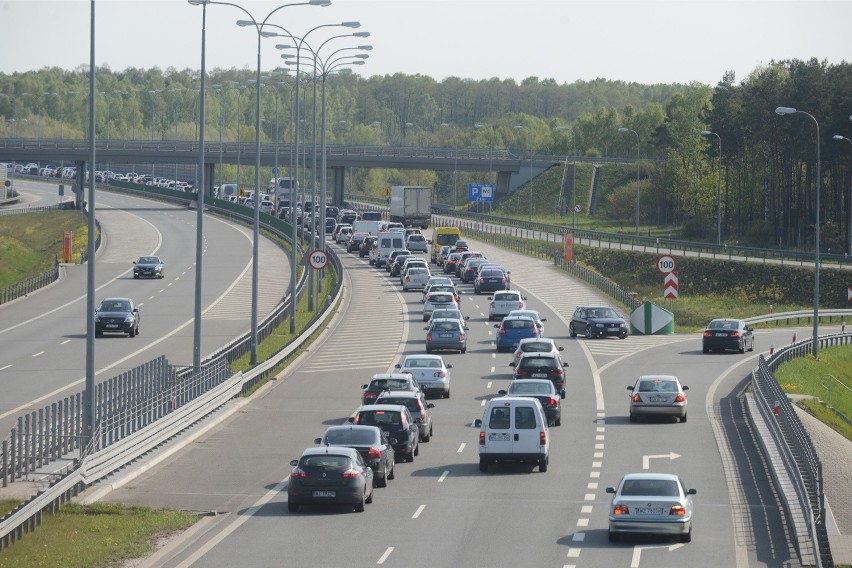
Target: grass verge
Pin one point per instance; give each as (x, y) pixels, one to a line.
(94, 535)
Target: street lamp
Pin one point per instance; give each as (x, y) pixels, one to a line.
(719, 190)
(849, 230)
(788, 110)
(622, 129)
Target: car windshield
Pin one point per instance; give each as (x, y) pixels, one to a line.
(149, 260)
(603, 313)
(350, 437)
(115, 306)
(650, 488)
(389, 384)
(724, 324)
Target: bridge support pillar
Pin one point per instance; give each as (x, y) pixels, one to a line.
(338, 178)
(504, 180)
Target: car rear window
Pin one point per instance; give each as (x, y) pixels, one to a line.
(440, 298)
(518, 324)
(651, 488)
(446, 325)
(533, 388)
(379, 417)
(326, 461)
(389, 384)
(422, 363)
(350, 437)
(538, 362)
(416, 238)
(492, 274)
(411, 403)
(536, 347)
(505, 297)
(657, 386)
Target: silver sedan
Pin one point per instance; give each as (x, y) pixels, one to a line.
(651, 503)
(657, 395)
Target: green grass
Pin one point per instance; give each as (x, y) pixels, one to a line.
(31, 242)
(94, 535)
(810, 377)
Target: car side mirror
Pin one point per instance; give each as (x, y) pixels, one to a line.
(430, 405)
(294, 463)
(134, 262)
(543, 319)
(418, 420)
(630, 388)
(364, 387)
(512, 364)
(684, 387)
(497, 325)
(692, 492)
(478, 423)
(610, 489)
(501, 391)
(524, 298)
(466, 318)
(398, 366)
(426, 328)
(135, 309)
(350, 419)
(449, 366)
(393, 441)
(490, 297)
(317, 440)
(561, 348)
(564, 364)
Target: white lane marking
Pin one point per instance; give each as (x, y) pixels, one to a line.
(637, 552)
(579, 537)
(219, 537)
(595, 474)
(39, 353)
(483, 402)
(592, 485)
(418, 511)
(586, 509)
(493, 355)
(151, 297)
(461, 448)
(488, 386)
(600, 429)
(493, 369)
(582, 522)
(596, 464)
(574, 552)
(385, 555)
(64, 342)
(599, 446)
(589, 497)
(443, 476)
(5, 367)
(601, 414)
(599, 437)
(598, 454)
(170, 283)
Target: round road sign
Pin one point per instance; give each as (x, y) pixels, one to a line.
(318, 259)
(578, 208)
(666, 264)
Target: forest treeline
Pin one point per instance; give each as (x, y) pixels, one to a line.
(768, 162)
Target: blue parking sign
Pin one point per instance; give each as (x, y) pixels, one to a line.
(480, 192)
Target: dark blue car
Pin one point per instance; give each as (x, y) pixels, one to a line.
(490, 280)
(512, 330)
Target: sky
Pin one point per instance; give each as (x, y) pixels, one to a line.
(642, 41)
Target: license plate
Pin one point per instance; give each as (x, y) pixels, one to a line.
(111, 325)
(498, 436)
(721, 335)
(445, 335)
(613, 329)
(323, 494)
(658, 399)
(648, 510)
(539, 375)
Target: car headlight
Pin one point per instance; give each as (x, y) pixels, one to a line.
(128, 319)
(598, 324)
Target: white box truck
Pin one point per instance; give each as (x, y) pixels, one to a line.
(411, 205)
(371, 227)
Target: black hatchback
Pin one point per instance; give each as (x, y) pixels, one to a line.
(395, 421)
(373, 445)
(597, 321)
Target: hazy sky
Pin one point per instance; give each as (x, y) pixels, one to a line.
(669, 41)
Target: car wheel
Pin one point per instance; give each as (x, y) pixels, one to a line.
(588, 334)
(464, 350)
(162, 276)
(542, 464)
(416, 451)
(686, 537)
(558, 422)
(136, 277)
(381, 481)
(752, 345)
(447, 395)
(483, 466)
(614, 537)
(425, 318)
(359, 507)
(428, 350)
(622, 335)
(633, 417)
(409, 458)
(370, 498)
(131, 333)
(292, 507)
(99, 334)
(741, 348)
(425, 439)
(571, 331)
(683, 419)
(705, 350)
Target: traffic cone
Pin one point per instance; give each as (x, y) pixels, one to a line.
(771, 348)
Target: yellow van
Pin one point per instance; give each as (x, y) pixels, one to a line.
(443, 236)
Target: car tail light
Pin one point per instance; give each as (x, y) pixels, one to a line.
(429, 337)
(351, 472)
(482, 280)
(534, 332)
(559, 372)
(503, 280)
(552, 402)
(374, 453)
(677, 510)
(502, 330)
(521, 373)
(439, 374)
(482, 438)
(708, 334)
(680, 398)
(461, 337)
(637, 398)
(620, 510)
(370, 394)
(298, 472)
(542, 438)
(492, 305)
(735, 334)
(408, 279)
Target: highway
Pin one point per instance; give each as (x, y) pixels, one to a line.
(43, 336)
(440, 510)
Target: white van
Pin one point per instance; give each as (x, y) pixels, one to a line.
(388, 242)
(513, 429)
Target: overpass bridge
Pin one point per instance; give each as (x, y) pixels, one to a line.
(512, 170)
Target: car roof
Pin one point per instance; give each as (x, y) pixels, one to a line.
(392, 376)
(355, 426)
(537, 340)
(513, 400)
(330, 450)
(399, 394)
(384, 407)
(668, 476)
(423, 356)
(532, 381)
(539, 354)
(515, 318)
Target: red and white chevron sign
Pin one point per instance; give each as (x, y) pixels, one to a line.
(670, 285)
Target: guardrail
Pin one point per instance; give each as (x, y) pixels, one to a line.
(98, 461)
(799, 457)
(807, 315)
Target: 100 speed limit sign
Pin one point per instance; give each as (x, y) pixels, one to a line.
(318, 259)
(666, 264)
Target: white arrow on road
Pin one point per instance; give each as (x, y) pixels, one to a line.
(637, 552)
(646, 460)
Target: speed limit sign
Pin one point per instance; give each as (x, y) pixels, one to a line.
(578, 208)
(666, 264)
(318, 259)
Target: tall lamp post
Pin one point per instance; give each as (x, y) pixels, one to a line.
(788, 110)
(849, 231)
(622, 129)
(718, 190)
